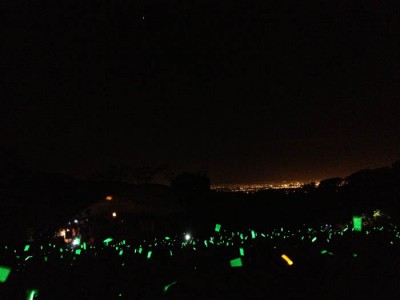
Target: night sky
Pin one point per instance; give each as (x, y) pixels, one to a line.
(249, 91)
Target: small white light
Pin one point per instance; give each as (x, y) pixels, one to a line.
(76, 221)
(187, 237)
(114, 214)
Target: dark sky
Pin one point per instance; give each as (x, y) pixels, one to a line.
(249, 91)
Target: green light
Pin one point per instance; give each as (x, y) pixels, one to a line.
(357, 223)
(4, 272)
(140, 250)
(167, 238)
(205, 243)
(170, 252)
(168, 286)
(107, 241)
(217, 227)
(28, 257)
(31, 294)
(78, 251)
(121, 252)
(26, 248)
(314, 239)
(324, 251)
(236, 263)
(241, 250)
(77, 241)
(253, 234)
(84, 246)
(149, 254)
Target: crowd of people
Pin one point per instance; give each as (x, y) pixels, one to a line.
(297, 263)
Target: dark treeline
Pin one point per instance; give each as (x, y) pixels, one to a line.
(334, 200)
(34, 204)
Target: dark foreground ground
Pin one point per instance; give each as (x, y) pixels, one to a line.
(328, 263)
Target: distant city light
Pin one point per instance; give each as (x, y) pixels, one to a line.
(76, 221)
(114, 214)
(109, 198)
(187, 237)
(252, 188)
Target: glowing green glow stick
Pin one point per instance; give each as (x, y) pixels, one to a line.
(78, 251)
(217, 227)
(253, 234)
(31, 294)
(170, 252)
(324, 251)
(357, 223)
(121, 252)
(4, 272)
(236, 263)
(314, 239)
(149, 254)
(26, 248)
(140, 250)
(168, 286)
(241, 250)
(28, 257)
(107, 241)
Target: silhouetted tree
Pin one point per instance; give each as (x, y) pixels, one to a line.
(309, 187)
(330, 184)
(127, 174)
(191, 183)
